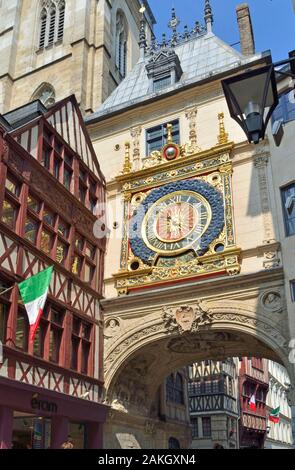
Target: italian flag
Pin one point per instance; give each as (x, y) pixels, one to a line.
(275, 415)
(34, 294)
(252, 403)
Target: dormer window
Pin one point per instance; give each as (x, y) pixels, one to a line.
(163, 69)
(162, 82)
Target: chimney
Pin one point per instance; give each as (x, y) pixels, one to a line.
(246, 30)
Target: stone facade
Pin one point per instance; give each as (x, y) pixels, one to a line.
(82, 63)
(250, 308)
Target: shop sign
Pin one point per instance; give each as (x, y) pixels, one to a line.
(43, 405)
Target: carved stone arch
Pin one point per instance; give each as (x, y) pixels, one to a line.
(46, 94)
(226, 331)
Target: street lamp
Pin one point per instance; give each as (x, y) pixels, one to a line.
(252, 97)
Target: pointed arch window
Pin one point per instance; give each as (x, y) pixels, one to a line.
(121, 43)
(52, 22)
(43, 28)
(61, 20)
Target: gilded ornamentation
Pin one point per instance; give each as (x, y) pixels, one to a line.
(223, 136)
(154, 160)
(191, 116)
(169, 133)
(218, 254)
(127, 162)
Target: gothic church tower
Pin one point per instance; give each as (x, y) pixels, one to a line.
(53, 48)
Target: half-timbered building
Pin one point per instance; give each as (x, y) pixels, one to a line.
(50, 189)
(253, 381)
(214, 403)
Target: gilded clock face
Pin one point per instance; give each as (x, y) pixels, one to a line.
(176, 222)
(174, 219)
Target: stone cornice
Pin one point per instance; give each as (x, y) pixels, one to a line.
(193, 289)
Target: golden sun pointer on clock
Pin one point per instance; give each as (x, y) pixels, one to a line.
(176, 223)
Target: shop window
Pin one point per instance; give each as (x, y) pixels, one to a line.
(288, 200)
(156, 137)
(30, 432)
(206, 427)
(78, 435)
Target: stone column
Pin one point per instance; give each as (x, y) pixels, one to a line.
(59, 431)
(270, 246)
(6, 425)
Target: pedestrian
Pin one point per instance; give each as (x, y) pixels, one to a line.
(68, 444)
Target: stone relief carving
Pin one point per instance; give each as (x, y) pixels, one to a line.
(186, 318)
(130, 394)
(135, 134)
(271, 259)
(272, 301)
(212, 343)
(112, 328)
(150, 427)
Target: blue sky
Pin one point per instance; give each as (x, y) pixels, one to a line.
(273, 21)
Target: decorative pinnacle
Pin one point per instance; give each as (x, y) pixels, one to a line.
(208, 16)
(169, 133)
(142, 35)
(173, 23)
(127, 162)
(223, 136)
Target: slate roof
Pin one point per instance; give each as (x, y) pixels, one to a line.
(200, 57)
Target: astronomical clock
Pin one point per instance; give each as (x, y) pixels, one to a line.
(178, 216)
